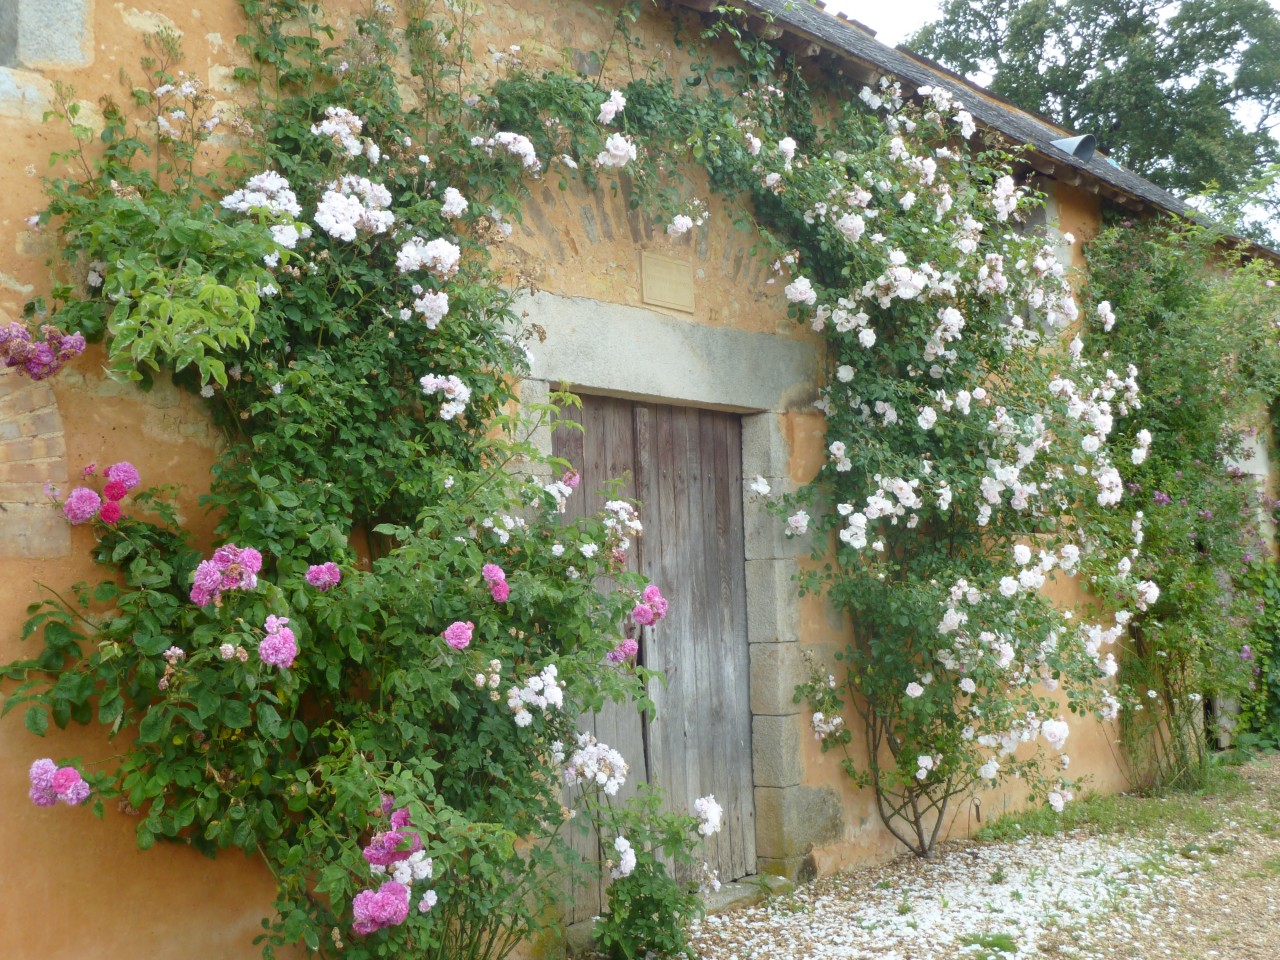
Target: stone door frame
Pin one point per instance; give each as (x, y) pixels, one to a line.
(636, 353)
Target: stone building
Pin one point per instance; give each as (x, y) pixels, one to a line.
(721, 391)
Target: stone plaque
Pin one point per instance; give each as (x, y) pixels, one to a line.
(666, 282)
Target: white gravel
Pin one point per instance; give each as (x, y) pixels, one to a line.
(974, 901)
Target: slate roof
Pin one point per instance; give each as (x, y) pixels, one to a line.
(856, 42)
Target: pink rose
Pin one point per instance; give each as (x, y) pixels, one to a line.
(654, 598)
(81, 505)
(458, 634)
(65, 778)
(624, 651)
(279, 648)
(386, 908)
(323, 576)
(124, 472)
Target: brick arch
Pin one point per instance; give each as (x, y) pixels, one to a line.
(32, 453)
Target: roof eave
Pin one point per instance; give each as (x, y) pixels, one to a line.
(807, 32)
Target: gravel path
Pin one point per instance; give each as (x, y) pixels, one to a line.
(1208, 887)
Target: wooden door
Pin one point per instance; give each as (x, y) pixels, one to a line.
(684, 466)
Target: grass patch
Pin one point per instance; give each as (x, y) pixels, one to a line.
(1124, 813)
(1268, 868)
(788, 903)
(992, 946)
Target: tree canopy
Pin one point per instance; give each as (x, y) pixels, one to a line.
(1186, 93)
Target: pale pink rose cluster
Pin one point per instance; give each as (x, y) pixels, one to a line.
(453, 204)
(709, 814)
(516, 144)
(344, 128)
(798, 524)
(352, 205)
(268, 192)
(610, 109)
(1139, 453)
(430, 305)
(621, 523)
(230, 568)
(595, 763)
(543, 691)
(619, 150)
(1106, 316)
(801, 290)
(563, 488)
(824, 726)
(438, 256)
(456, 393)
(682, 223)
(626, 858)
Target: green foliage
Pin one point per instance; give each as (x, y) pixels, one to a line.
(990, 946)
(648, 911)
(150, 265)
(1169, 813)
(1198, 323)
(1183, 93)
(1260, 716)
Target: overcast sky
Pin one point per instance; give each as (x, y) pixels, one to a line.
(893, 21)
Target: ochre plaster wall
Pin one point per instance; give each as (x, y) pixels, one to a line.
(74, 885)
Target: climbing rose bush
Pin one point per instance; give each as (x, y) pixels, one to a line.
(968, 441)
(1177, 301)
(369, 678)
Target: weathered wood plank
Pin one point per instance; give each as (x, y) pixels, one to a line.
(585, 897)
(619, 724)
(687, 636)
(736, 550)
(706, 643)
(740, 820)
(669, 570)
(567, 442)
(647, 548)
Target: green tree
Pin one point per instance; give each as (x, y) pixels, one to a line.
(1187, 93)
